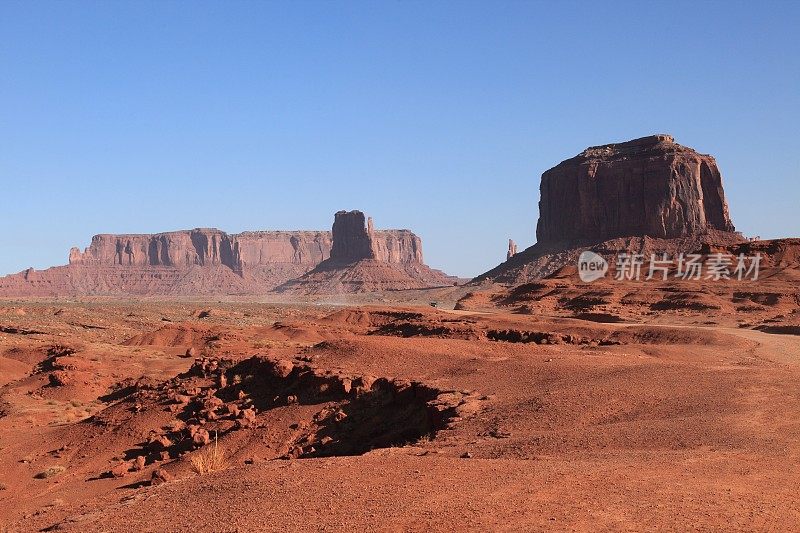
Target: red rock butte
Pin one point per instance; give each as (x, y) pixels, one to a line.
(650, 186)
(645, 195)
(365, 260)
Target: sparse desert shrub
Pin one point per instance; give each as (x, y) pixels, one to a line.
(263, 344)
(50, 472)
(3, 486)
(209, 459)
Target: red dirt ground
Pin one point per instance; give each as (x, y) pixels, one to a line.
(398, 416)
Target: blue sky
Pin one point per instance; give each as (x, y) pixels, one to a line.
(434, 116)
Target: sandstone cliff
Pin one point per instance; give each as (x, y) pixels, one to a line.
(211, 261)
(365, 260)
(643, 196)
(204, 247)
(650, 186)
(352, 241)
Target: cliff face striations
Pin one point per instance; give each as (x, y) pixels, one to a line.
(641, 196)
(211, 261)
(646, 187)
(354, 239)
(206, 247)
(366, 260)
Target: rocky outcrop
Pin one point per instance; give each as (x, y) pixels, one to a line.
(648, 195)
(512, 249)
(210, 261)
(205, 247)
(650, 186)
(397, 246)
(365, 260)
(354, 239)
(252, 249)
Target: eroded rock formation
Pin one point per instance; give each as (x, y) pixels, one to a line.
(650, 186)
(211, 261)
(648, 195)
(512, 249)
(204, 247)
(366, 260)
(354, 239)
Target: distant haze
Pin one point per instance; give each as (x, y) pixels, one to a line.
(439, 117)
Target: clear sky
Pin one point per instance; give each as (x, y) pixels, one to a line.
(435, 116)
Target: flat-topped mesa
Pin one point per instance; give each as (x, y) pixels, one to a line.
(211, 261)
(645, 187)
(354, 239)
(205, 247)
(635, 144)
(397, 246)
(265, 248)
(173, 249)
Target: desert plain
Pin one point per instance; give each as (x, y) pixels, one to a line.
(403, 415)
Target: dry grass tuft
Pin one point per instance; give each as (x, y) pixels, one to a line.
(210, 459)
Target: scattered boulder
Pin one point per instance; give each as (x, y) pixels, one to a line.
(182, 399)
(60, 378)
(159, 443)
(160, 476)
(282, 368)
(201, 438)
(121, 470)
(247, 417)
(212, 403)
(139, 463)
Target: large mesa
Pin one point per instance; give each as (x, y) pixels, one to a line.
(211, 261)
(644, 195)
(650, 186)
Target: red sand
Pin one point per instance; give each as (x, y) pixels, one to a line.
(475, 419)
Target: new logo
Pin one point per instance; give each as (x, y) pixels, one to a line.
(591, 266)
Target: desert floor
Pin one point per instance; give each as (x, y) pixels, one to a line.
(390, 416)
